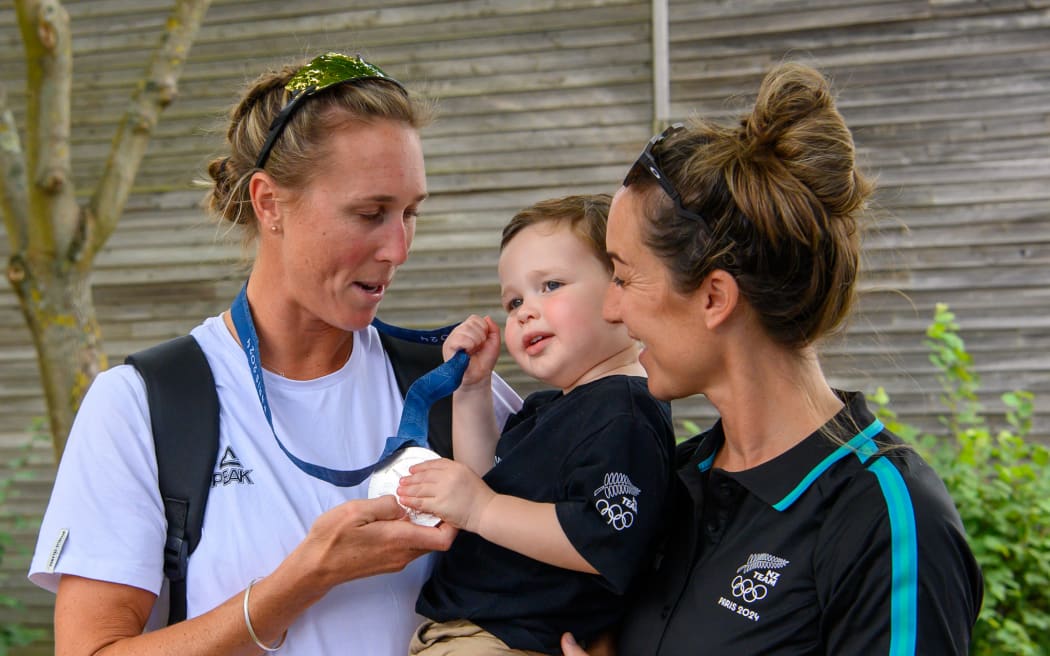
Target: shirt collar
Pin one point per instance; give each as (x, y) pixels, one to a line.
(782, 480)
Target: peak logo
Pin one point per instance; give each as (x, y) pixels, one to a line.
(231, 471)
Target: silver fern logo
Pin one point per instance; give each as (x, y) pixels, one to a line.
(761, 561)
(616, 485)
(754, 580)
(618, 513)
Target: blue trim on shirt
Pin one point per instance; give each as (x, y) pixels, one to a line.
(706, 464)
(861, 444)
(904, 558)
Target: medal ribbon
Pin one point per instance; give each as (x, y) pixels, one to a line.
(412, 431)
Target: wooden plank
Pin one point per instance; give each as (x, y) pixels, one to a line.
(696, 42)
(376, 28)
(241, 59)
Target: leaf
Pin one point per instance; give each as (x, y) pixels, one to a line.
(880, 397)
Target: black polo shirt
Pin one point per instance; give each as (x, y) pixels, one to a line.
(830, 548)
(601, 454)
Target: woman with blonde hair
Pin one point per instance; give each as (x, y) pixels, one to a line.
(324, 173)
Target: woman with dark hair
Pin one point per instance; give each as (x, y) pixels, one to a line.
(799, 524)
(325, 176)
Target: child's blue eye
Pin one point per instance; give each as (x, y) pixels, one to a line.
(513, 304)
(551, 285)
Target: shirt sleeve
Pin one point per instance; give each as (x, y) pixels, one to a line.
(616, 482)
(105, 520)
(894, 572)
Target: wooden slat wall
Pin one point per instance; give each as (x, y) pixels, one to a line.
(949, 106)
(545, 97)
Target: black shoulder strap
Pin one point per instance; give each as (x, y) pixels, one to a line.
(411, 360)
(184, 416)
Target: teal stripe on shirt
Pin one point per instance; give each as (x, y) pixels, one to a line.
(904, 558)
(706, 464)
(859, 444)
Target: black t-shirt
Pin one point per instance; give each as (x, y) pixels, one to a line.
(827, 549)
(601, 454)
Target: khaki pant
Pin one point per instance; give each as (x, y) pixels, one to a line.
(460, 638)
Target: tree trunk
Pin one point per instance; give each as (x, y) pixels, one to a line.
(60, 312)
(53, 240)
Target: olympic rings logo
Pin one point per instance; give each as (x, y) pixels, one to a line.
(617, 516)
(748, 589)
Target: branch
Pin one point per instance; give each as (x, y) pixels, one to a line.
(14, 195)
(155, 92)
(49, 80)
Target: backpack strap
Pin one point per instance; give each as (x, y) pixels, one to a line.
(410, 360)
(184, 417)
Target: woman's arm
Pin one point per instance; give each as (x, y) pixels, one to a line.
(892, 566)
(356, 539)
(98, 617)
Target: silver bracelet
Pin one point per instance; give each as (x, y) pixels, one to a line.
(248, 622)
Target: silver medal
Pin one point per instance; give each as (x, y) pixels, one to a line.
(385, 480)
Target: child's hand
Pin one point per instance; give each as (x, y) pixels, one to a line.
(479, 337)
(448, 489)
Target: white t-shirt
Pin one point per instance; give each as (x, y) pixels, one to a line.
(105, 520)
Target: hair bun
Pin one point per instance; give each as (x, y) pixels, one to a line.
(796, 124)
(791, 93)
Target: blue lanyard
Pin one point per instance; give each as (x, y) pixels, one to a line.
(412, 431)
(436, 336)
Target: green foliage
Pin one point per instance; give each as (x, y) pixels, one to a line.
(13, 634)
(998, 481)
(690, 427)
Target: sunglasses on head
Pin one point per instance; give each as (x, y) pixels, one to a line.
(322, 72)
(647, 162)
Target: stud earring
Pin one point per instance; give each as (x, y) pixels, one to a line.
(274, 228)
